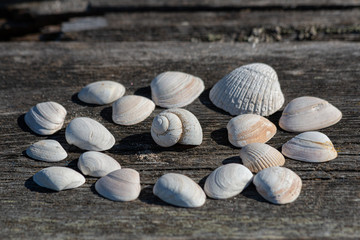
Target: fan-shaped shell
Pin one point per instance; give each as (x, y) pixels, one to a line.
(249, 128)
(175, 89)
(308, 113)
(47, 150)
(46, 118)
(97, 164)
(252, 88)
(101, 92)
(132, 109)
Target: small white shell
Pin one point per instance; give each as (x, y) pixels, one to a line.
(97, 164)
(120, 185)
(310, 147)
(47, 150)
(227, 181)
(131, 109)
(278, 185)
(88, 134)
(46, 118)
(179, 190)
(101, 92)
(176, 126)
(175, 89)
(249, 128)
(252, 88)
(58, 178)
(308, 113)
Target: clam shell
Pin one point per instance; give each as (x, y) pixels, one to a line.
(227, 181)
(88, 134)
(257, 156)
(58, 178)
(179, 190)
(120, 185)
(252, 88)
(47, 150)
(46, 118)
(132, 109)
(308, 113)
(249, 128)
(175, 89)
(176, 126)
(101, 92)
(310, 147)
(97, 164)
(278, 185)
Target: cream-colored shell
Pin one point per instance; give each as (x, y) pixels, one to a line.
(307, 114)
(101, 92)
(97, 164)
(175, 89)
(47, 150)
(249, 128)
(310, 147)
(252, 88)
(131, 109)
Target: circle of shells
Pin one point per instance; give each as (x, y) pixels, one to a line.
(249, 92)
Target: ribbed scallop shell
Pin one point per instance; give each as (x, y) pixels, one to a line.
(252, 88)
(46, 118)
(308, 113)
(257, 156)
(175, 89)
(249, 128)
(97, 164)
(310, 147)
(131, 109)
(47, 150)
(101, 92)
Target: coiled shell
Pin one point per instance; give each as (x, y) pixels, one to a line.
(46, 118)
(249, 128)
(179, 190)
(101, 92)
(47, 150)
(175, 89)
(308, 113)
(97, 164)
(252, 88)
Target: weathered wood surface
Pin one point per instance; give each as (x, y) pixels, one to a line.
(327, 208)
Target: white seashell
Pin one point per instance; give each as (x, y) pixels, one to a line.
(176, 126)
(131, 109)
(46, 118)
(249, 128)
(88, 134)
(97, 164)
(120, 185)
(308, 113)
(227, 181)
(252, 88)
(58, 178)
(47, 150)
(257, 156)
(278, 185)
(175, 89)
(101, 92)
(310, 147)
(179, 190)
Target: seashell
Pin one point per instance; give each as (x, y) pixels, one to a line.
(257, 156)
(58, 178)
(88, 134)
(179, 190)
(308, 113)
(249, 128)
(252, 88)
(310, 147)
(227, 181)
(176, 126)
(132, 109)
(101, 92)
(278, 185)
(47, 150)
(46, 118)
(120, 185)
(175, 89)
(97, 164)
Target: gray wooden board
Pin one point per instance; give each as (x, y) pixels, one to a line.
(327, 208)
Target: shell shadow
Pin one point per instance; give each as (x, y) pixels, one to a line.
(250, 192)
(32, 186)
(220, 136)
(22, 124)
(106, 114)
(144, 91)
(205, 100)
(75, 99)
(274, 118)
(234, 159)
